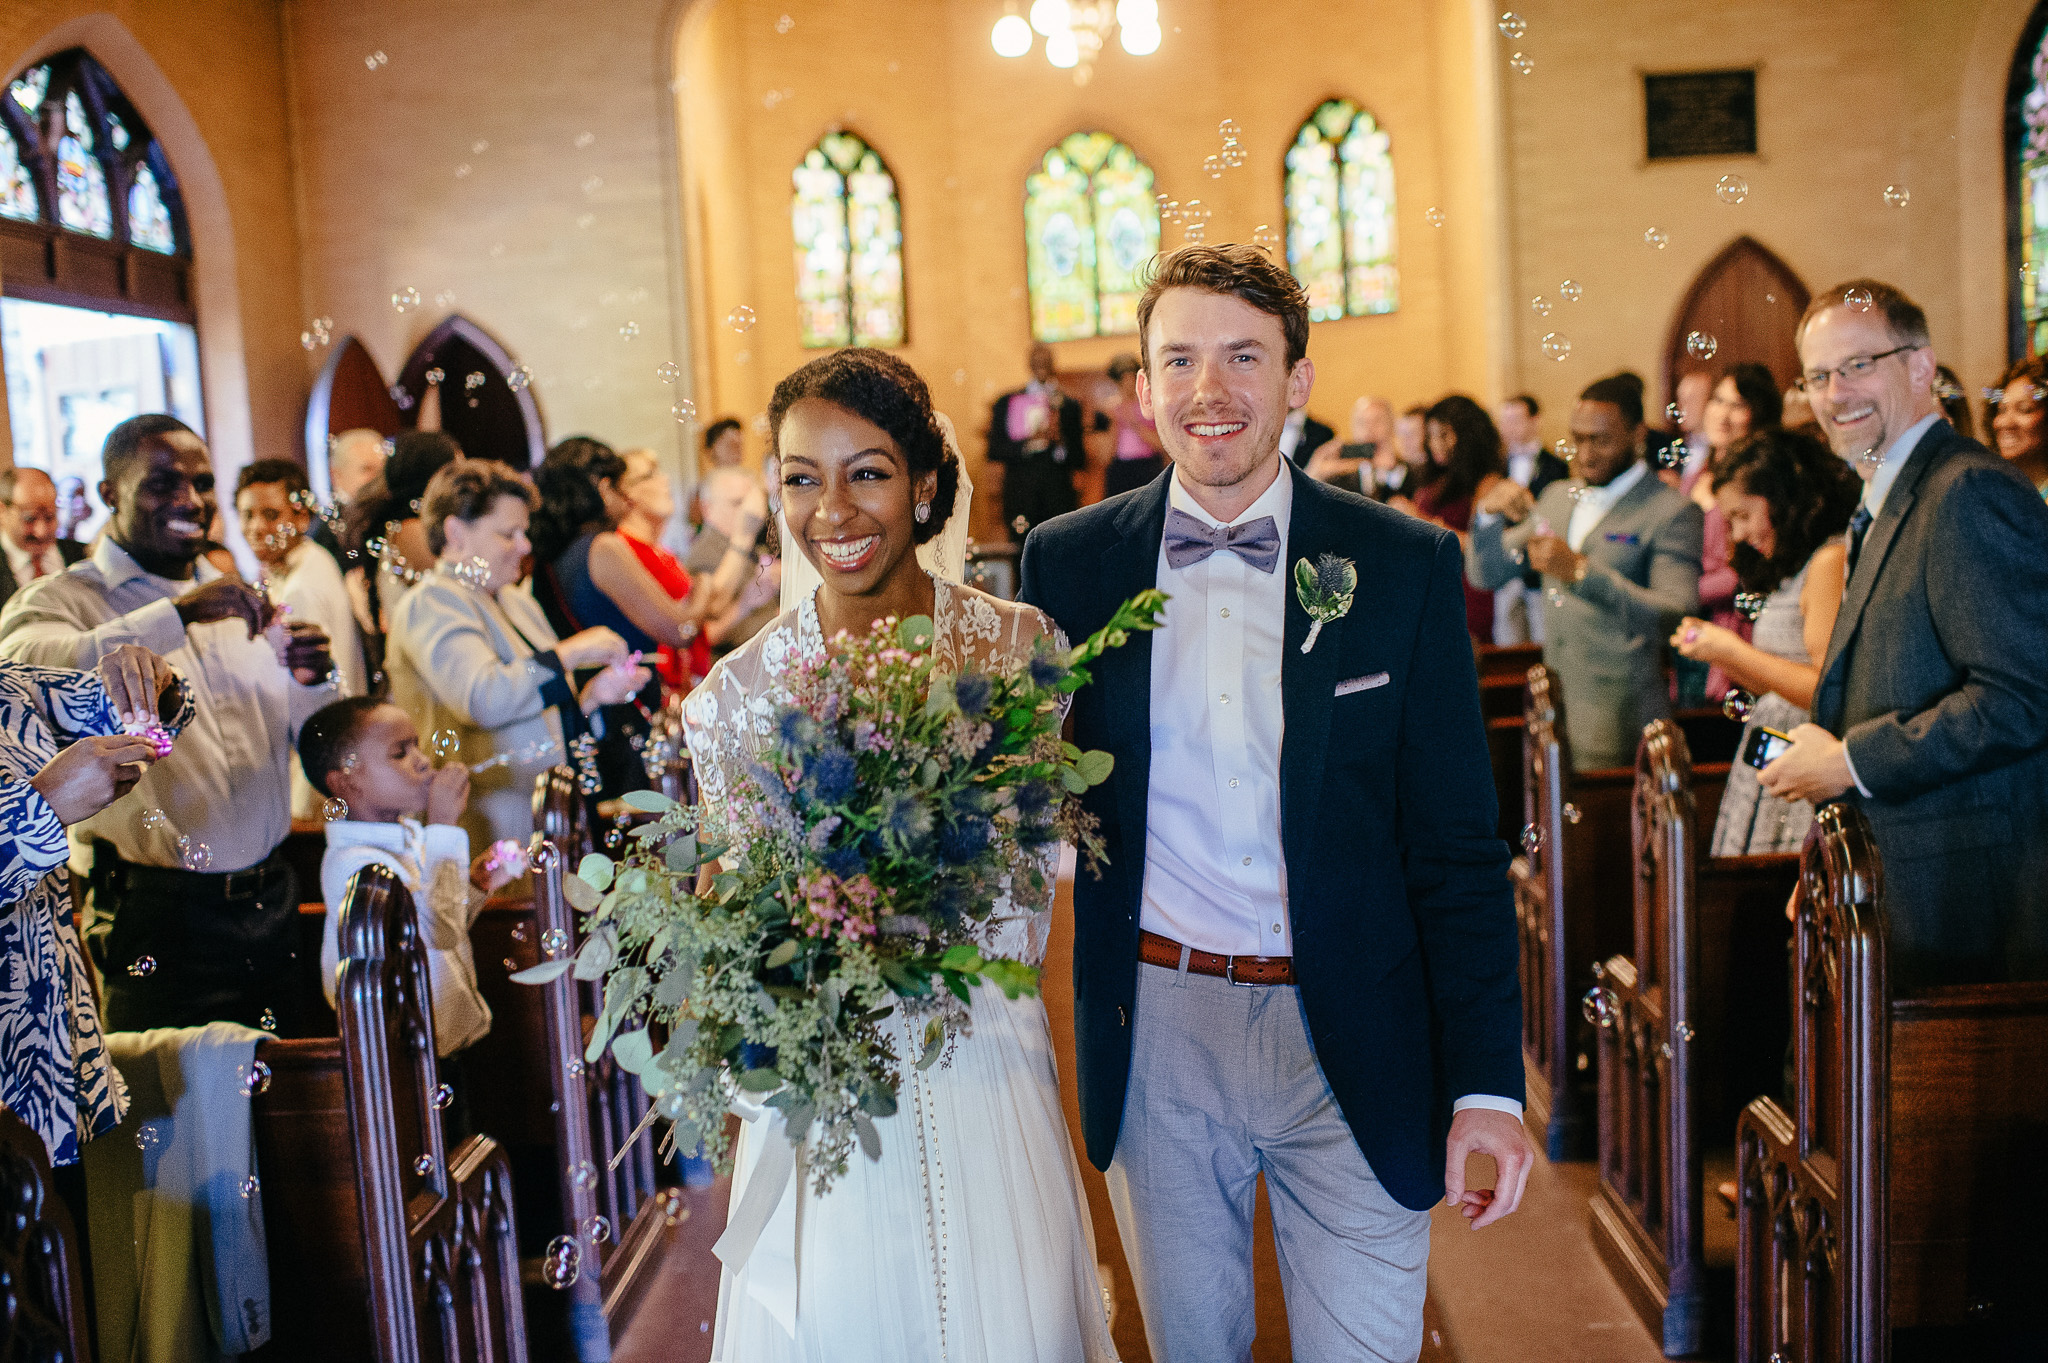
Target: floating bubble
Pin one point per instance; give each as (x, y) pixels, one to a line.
(1532, 838)
(1897, 196)
(472, 381)
(583, 1174)
(562, 1263)
(1521, 63)
(545, 857)
(376, 60)
(1673, 413)
(405, 300)
(1212, 166)
(434, 377)
(147, 1137)
(1540, 305)
(196, 855)
(1656, 238)
(1737, 704)
(668, 371)
(1571, 291)
(1512, 26)
(684, 410)
(784, 24)
(443, 1097)
(155, 820)
(583, 220)
(584, 139)
(142, 967)
(1859, 300)
(1266, 238)
(306, 340)
(1555, 347)
(255, 1079)
(597, 1230)
(334, 809)
(574, 1069)
(1576, 492)
(1749, 605)
(1228, 130)
(479, 147)
(1194, 210)
(1671, 455)
(251, 1186)
(675, 1208)
(741, 318)
(462, 171)
(1434, 217)
(1232, 156)
(445, 743)
(628, 330)
(423, 1166)
(267, 1020)
(1566, 450)
(1700, 345)
(592, 183)
(1731, 189)
(1194, 233)
(519, 379)
(614, 839)
(554, 941)
(1597, 1007)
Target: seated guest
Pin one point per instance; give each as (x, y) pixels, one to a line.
(1620, 565)
(470, 651)
(188, 873)
(1932, 710)
(1135, 451)
(1348, 464)
(733, 501)
(57, 1078)
(367, 753)
(28, 530)
(1744, 399)
(649, 505)
(2019, 421)
(1787, 499)
(1464, 462)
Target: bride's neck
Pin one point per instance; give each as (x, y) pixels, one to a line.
(904, 593)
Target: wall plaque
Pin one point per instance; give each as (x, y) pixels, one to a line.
(1700, 113)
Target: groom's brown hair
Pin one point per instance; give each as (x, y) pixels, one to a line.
(1243, 272)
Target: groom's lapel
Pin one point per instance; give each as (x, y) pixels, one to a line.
(1129, 566)
(1308, 681)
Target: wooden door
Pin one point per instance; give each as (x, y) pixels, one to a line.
(1750, 302)
(478, 402)
(349, 395)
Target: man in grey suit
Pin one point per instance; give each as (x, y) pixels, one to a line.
(1620, 557)
(1932, 709)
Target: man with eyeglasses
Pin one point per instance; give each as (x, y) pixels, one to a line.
(1932, 709)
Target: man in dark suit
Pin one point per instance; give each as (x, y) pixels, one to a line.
(1300, 806)
(29, 547)
(1932, 709)
(1035, 434)
(1301, 435)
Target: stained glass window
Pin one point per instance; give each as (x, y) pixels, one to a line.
(28, 89)
(1340, 213)
(149, 222)
(848, 227)
(1090, 225)
(2032, 173)
(82, 203)
(17, 187)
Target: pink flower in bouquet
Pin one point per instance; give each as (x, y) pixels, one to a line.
(841, 908)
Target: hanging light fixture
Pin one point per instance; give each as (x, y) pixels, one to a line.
(1076, 31)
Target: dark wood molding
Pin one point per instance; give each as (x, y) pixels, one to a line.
(42, 1316)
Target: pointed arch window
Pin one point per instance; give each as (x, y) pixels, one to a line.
(1090, 225)
(1340, 213)
(848, 226)
(2026, 140)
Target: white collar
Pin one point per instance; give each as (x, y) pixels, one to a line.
(23, 563)
(1605, 497)
(1276, 501)
(1879, 485)
(117, 566)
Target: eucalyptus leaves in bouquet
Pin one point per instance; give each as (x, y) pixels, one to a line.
(772, 948)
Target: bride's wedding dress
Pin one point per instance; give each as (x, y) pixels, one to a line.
(968, 1241)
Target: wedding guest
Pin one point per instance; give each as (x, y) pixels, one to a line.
(1399, 475)
(1518, 607)
(1798, 413)
(1464, 461)
(1301, 435)
(1348, 464)
(1135, 457)
(73, 510)
(649, 508)
(1745, 399)
(188, 873)
(1694, 390)
(2019, 421)
(732, 500)
(1932, 711)
(1035, 434)
(28, 530)
(1955, 403)
(1621, 574)
(385, 516)
(725, 445)
(471, 651)
(1786, 499)
(355, 459)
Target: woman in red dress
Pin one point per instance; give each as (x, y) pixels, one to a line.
(1465, 458)
(649, 503)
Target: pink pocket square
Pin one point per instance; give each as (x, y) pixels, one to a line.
(1345, 688)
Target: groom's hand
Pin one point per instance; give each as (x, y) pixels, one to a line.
(1483, 1131)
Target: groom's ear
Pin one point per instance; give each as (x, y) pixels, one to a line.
(1145, 395)
(1300, 380)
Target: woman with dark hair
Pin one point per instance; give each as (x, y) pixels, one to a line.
(384, 546)
(2018, 419)
(1135, 451)
(471, 652)
(1787, 498)
(1745, 399)
(869, 475)
(1465, 458)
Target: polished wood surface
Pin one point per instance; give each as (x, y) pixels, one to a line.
(42, 1284)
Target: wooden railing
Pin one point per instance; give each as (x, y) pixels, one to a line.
(42, 1296)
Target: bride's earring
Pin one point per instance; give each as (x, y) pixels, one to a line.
(924, 512)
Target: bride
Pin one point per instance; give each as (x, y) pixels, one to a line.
(967, 1242)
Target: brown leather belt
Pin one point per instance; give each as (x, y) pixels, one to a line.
(1164, 951)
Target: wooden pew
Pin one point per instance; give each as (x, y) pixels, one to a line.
(1572, 908)
(1507, 660)
(42, 1284)
(1890, 1209)
(382, 1244)
(1692, 1022)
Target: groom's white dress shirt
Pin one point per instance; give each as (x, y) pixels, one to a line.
(1215, 877)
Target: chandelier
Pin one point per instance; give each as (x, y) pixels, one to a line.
(1076, 31)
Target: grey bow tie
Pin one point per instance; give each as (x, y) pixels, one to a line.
(1190, 540)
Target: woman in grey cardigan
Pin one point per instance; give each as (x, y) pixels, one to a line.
(471, 652)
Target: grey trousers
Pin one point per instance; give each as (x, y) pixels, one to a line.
(1224, 1086)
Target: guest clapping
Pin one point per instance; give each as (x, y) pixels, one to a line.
(2019, 421)
(471, 651)
(1465, 460)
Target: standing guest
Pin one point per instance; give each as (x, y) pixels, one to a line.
(188, 873)
(384, 542)
(1932, 709)
(725, 445)
(355, 459)
(1745, 399)
(73, 510)
(1465, 461)
(471, 651)
(1797, 412)
(649, 506)
(733, 499)
(1035, 434)
(1622, 574)
(54, 1071)
(1694, 391)
(1135, 457)
(1518, 607)
(2019, 421)
(1400, 475)
(1955, 403)
(1787, 500)
(1302, 435)
(28, 531)
(1348, 464)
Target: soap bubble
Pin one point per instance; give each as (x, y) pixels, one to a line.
(445, 743)
(443, 1097)
(684, 410)
(740, 319)
(1532, 838)
(1434, 217)
(1522, 64)
(255, 1079)
(376, 60)
(583, 1174)
(562, 1263)
(554, 941)
(251, 1186)
(1700, 345)
(267, 1020)
(519, 378)
(306, 340)
(1597, 1007)
(1749, 605)
(1555, 347)
(784, 24)
(1571, 813)
(1656, 239)
(423, 1166)
(405, 300)
(1731, 189)
(1859, 300)
(1513, 26)
(1554, 597)
(147, 1137)
(584, 139)
(1266, 238)
(434, 377)
(1212, 166)
(597, 1230)
(1673, 413)
(196, 855)
(675, 1209)
(629, 330)
(155, 820)
(1897, 196)
(592, 183)
(584, 220)
(462, 171)
(1194, 210)
(668, 371)
(334, 809)
(142, 967)
(472, 381)
(543, 858)
(1566, 448)
(1737, 704)
(574, 1069)
(1571, 291)
(1232, 156)
(1540, 305)
(1228, 130)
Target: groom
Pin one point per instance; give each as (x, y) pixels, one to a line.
(1300, 960)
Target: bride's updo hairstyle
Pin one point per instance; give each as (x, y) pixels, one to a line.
(876, 386)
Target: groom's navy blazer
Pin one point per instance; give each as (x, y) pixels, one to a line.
(1404, 928)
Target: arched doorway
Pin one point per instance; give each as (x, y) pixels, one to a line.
(1749, 301)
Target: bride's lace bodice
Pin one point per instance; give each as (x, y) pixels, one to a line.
(729, 718)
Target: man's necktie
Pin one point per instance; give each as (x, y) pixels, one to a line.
(1859, 523)
(1190, 540)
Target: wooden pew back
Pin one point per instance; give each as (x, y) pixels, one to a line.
(42, 1316)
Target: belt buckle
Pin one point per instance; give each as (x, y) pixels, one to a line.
(243, 884)
(1230, 974)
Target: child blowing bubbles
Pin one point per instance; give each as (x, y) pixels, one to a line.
(367, 752)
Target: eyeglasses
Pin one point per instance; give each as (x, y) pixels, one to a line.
(1856, 367)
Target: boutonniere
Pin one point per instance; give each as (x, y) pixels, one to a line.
(1324, 590)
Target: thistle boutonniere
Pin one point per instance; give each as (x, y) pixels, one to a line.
(1324, 590)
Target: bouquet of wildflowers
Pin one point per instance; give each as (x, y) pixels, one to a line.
(850, 873)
